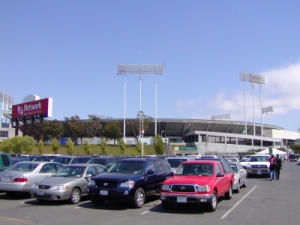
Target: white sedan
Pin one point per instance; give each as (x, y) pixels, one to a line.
(240, 176)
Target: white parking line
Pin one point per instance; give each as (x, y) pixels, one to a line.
(145, 212)
(236, 204)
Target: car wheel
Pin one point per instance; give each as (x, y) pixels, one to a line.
(10, 193)
(75, 196)
(212, 206)
(228, 195)
(97, 201)
(249, 176)
(139, 198)
(41, 200)
(238, 188)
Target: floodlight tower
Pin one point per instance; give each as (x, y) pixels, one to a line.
(252, 78)
(124, 69)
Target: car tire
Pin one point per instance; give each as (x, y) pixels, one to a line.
(249, 176)
(75, 196)
(228, 194)
(238, 188)
(41, 200)
(97, 201)
(139, 198)
(212, 206)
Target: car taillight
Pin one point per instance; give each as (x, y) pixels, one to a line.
(21, 179)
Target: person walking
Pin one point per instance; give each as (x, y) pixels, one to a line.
(278, 166)
(272, 161)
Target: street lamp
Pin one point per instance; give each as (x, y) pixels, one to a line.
(252, 78)
(162, 132)
(142, 115)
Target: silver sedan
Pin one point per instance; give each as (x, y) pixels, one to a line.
(67, 184)
(240, 176)
(20, 177)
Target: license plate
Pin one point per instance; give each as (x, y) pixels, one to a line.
(181, 199)
(258, 172)
(5, 179)
(40, 193)
(103, 192)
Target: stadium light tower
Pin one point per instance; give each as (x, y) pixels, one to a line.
(254, 79)
(263, 111)
(124, 69)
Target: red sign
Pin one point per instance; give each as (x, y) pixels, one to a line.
(34, 109)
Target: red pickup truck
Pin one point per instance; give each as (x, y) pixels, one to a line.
(197, 182)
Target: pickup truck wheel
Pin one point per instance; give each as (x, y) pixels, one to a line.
(212, 206)
(75, 196)
(228, 194)
(139, 198)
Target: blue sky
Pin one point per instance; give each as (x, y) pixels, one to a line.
(69, 50)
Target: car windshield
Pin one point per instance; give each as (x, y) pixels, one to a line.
(234, 168)
(62, 160)
(27, 167)
(127, 167)
(175, 162)
(98, 161)
(71, 171)
(203, 169)
(259, 159)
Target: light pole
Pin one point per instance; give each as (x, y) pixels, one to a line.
(253, 78)
(142, 114)
(157, 69)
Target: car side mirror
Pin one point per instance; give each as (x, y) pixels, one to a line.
(151, 171)
(88, 175)
(220, 175)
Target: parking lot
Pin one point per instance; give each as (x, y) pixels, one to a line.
(262, 202)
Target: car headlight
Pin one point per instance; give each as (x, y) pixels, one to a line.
(59, 187)
(33, 186)
(166, 187)
(127, 184)
(205, 188)
(92, 182)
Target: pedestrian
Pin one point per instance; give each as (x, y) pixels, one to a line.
(278, 166)
(272, 161)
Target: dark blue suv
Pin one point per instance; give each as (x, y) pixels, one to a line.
(130, 179)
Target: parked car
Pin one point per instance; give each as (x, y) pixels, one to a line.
(197, 182)
(130, 179)
(15, 160)
(176, 161)
(259, 165)
(240, 176)
(68, 160)
(5, 161)
(20, 177)
(67, 184)
(32, 158)
(233, 159)
(244, 162)
(209, 157)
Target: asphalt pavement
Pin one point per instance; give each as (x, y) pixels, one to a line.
(262, 202)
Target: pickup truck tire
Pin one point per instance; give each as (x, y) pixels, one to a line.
(228, 195)
(139, 198)
(212, 206)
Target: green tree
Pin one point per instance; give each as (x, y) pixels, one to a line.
(16, 144)
(86, 147)
(27, 144)
(5, 145)
(76, 127)
(52, 129)
(54, 145)
(103, 146)
(159, 145)
(93, 126)
(296, 148)
(139, 147)
(40, 146)
(70, 146)
(112, 130)
(122, 146)
(134, 125)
